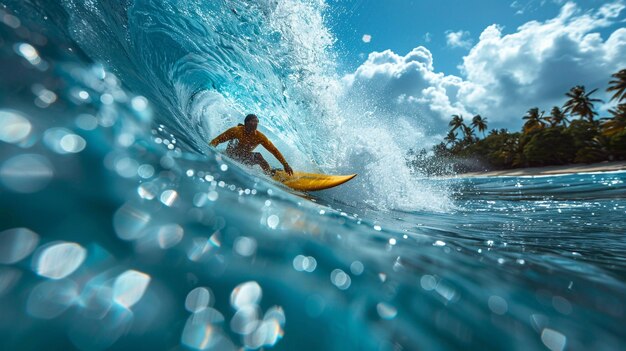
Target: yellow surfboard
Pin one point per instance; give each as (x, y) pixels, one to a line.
(310, 181)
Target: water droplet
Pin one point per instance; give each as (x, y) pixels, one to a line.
(83, 95)
(199, 247)
(562, 305)
(127, 167)
(212, 195)
(356, 268)
(145, 171)
(270, 330)
(553, 340)
(169, 235)
(28, 52)
(52, 138)
(130, 222)
(14, 127)
(139, 103)
(72, 143)
(428, 282)
(8, 278)
(107, 99)
(304, 263)
(59, 260)
(497, 304)
(245, 246)
(266, 334)
(386, 311)
(273, 221)
(11, 21)
(198, 299)
(340, 279)
(126, 139)
(86, 122)
(16, 244)
(26, 173)
(129, 287)
(245, 294)
(201, 333)
(245, 320)
(51, 298)
(168, 197)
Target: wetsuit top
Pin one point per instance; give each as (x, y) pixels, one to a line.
(246, 142)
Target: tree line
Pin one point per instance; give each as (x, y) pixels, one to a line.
(571, 133)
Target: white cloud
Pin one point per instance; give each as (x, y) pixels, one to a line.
(503, 74)
(518, 7)
(407, 86)
(366, 38)
(428, 37)
(458, 39)
(611, 10)
(541, 61)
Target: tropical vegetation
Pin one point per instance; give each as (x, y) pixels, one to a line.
(571, 133)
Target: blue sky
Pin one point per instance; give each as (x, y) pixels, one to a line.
(531, 53)
(401, 25)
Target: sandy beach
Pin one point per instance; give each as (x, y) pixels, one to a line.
(553, 170)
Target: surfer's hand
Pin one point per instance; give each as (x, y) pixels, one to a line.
(288, 170)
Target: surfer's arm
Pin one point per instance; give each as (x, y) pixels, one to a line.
(274, 151)
(226, 136)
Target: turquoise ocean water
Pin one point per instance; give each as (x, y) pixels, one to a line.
(121, 229)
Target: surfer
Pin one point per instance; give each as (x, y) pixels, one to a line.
(243, 139)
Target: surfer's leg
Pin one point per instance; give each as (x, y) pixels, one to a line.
(258, 159)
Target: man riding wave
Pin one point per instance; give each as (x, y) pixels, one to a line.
(244, 139)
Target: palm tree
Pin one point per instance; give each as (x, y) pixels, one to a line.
(618, 85)
(615, 124)
(534, 120)
(580, 103)
(468, 134)
(557, 117)
(451, 137)
(480, 123)
(456, 122)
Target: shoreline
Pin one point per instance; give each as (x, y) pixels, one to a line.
(551, 170)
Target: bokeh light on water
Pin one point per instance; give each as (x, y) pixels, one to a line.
(129, 287)
(16, 244)
(58, 260)
(26, 173)
(50, 299)
(198, 299)
(13, 127)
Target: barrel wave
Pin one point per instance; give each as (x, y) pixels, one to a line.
(122, 229)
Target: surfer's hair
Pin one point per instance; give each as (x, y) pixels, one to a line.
(249, 117)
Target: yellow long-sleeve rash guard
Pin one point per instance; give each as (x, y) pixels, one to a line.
(248, 142)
